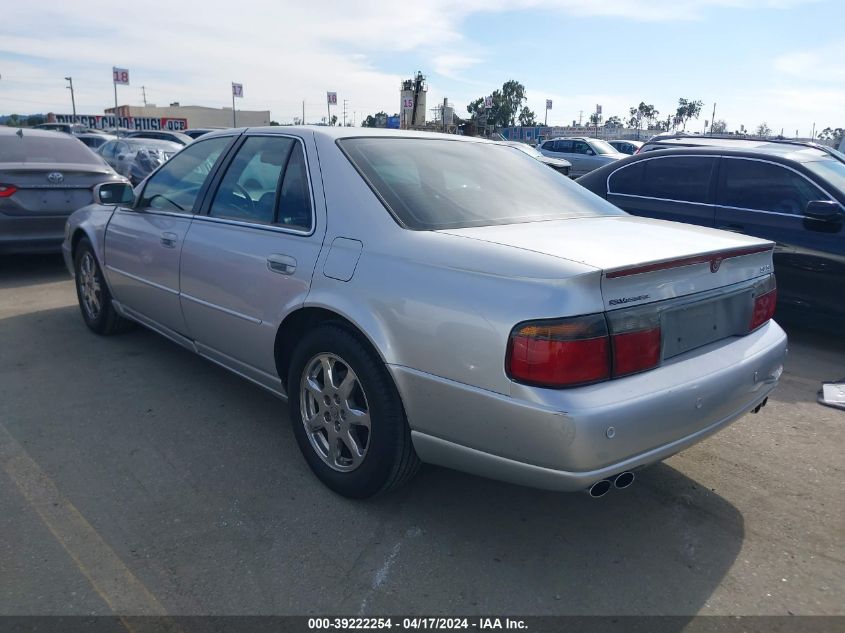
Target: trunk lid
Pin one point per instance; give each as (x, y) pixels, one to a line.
(50, 189)
(642, 260)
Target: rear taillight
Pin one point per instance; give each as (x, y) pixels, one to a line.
(765, 299)
(636, 339)
(561, 352)
(7, 190)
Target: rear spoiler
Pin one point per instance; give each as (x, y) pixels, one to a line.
(715, 260)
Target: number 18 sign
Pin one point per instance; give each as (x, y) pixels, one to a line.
(120, 75)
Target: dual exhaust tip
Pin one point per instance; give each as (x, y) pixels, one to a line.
(601, 488)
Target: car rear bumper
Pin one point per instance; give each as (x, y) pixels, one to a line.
(569, 439)
(39, 234)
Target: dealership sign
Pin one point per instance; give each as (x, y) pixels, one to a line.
(107, 122)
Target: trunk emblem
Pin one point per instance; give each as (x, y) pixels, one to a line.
(55, 177)
(715, 263)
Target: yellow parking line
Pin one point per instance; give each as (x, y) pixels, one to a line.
(109, 576)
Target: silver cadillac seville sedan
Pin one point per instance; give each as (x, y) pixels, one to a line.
(428, 298)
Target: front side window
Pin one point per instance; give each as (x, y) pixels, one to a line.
(446, 184)
(754, 184)
(267, 183)
(549, 146)
(177, 184)
(684, 178)
(580, 147)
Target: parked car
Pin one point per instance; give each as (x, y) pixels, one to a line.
(44, 177)
(625, 146)
(790, 194)
(414, 305)
(137, 158)
(585, 154)
(558, 164)
(196, 132)
(95, 140)
(162, 135)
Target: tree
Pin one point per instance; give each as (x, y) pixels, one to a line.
(275, 123)
(687, 110)
(613, 121)
(507, 105)
(719, 127)
(527, 117)
(645, 112)
(763, 130)
(834, 135)
(595, 119)
(35, 119)
(334, 120)
(14, 120)
(379, 119)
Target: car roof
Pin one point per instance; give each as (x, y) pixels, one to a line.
(149, 142)
(792, 152)
(31, 131)
(625, 140)
(337, 132)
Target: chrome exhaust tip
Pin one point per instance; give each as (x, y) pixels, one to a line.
(600, 488)
(623, 480)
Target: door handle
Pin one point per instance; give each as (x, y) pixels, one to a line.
(168, 240)
(282, 264)
(736, 228)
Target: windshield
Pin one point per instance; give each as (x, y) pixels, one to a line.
(522, 147)
(430, 184)
(833, 171)
(602, 147)
(40, 148)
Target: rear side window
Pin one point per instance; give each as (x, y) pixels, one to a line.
(59, 148)
(684, 178)
(563, 146)
(627, 180)
(753, 184)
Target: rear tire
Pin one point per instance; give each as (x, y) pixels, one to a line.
(93, 293)
(347, 415)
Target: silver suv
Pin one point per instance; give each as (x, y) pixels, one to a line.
(585, 154)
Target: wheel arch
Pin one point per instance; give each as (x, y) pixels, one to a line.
(294, 326)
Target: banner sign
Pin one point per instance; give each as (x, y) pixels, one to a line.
(238, 90)
(120, 75)
(106, 122)
(331, 98)
(488, 102)
(548, 104)
(598, 108)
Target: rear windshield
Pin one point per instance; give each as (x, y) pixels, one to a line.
(430, 184)
(29, 148)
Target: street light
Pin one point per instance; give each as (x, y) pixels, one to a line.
(72, 98)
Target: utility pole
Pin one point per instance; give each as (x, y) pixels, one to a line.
(345, 101)
(144, 95)
(303, 112)
(72, 97)
(713, 120)
(580, 116)
(813, 135)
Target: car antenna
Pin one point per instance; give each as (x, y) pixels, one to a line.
(20, 132)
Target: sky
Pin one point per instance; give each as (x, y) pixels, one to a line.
(781, 62)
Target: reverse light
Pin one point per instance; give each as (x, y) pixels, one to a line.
(7, 190)
(560, 352)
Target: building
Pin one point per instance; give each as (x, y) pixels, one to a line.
(412, 102)
(196, 116)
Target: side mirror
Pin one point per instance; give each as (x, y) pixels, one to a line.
(823, 210)
(590, 152)
(114, 193)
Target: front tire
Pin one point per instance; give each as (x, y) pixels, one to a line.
(93, 293)
(347, 415)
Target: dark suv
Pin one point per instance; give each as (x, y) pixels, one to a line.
(790, 193)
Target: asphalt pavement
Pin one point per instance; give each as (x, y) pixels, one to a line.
(138, 478)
